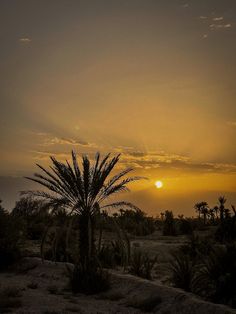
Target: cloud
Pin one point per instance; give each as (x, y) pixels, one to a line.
(162, 160)
(202, 17)
(67, 141)
(220, 18)
(50, 140)
(25, 40)
(220, 26)
(44, 155)
(232, 123)
(204, 36)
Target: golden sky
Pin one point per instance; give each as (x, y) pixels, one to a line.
(154, 80)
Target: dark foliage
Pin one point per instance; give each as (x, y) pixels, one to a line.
(182, 271)
(215, 278)
(169, 228)
(34, 214)
(141, 264)
(185, 226)
(89, 281)
(135, 222)
(226, 231)
(10, 236)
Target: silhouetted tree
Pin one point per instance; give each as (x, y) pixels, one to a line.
(169, 224)
(83, 190)
(222, 201)
(202, 209)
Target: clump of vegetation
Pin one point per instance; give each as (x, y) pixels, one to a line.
(141, 264)
(169, 224)
(135, 222)
(184, 226)
(182, 271)
(91, 281)
(215, 277)
(34, 215)
(10, 236)
(82, 191)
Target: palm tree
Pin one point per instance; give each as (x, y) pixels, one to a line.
(202, 208)
(222, 201)
(83, 190)
(197, 207)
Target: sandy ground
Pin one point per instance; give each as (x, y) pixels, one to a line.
(42, 288)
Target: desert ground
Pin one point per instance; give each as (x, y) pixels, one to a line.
(42, 287)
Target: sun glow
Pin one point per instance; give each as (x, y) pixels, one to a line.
(158, 184)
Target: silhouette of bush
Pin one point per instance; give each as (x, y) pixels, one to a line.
(197, 247)
(135, 222)
(182, 270)
(88, 281)
(107, 256)
(141, 265)
(10, 235)
(184, 226)
(169, 224)
(215, 277)
(226, 231)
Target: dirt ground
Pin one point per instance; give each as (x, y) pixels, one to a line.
(41, 288)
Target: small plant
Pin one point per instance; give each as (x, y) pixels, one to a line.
(142, 265)
(182, 270)
(89, 281)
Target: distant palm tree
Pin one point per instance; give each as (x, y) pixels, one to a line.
(202, 209)
(222, 201)
(83, 190)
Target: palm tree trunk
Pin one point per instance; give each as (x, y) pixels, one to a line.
(86, 241)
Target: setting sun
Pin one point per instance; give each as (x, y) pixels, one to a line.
(158, 184)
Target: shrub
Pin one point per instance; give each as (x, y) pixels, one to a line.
(185, 226)
(9, 241)
(142, 265)
(106, 256)
(215, 278)
(90, 281)
(182, 271)
(169, 224)
(226, 231)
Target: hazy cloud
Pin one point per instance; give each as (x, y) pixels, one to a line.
(25, 40)
(164, 160)
(220, 26)
(232, 123)
(220, 18)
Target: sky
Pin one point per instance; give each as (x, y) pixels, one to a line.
(153, 80)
